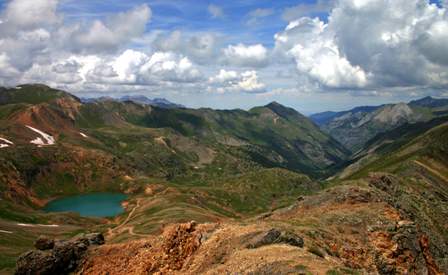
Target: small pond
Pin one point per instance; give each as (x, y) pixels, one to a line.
(89, 205)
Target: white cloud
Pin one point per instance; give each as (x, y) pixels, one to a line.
(246, 56)
(200, 47)
(119, 29)
(215, 11)
(365, 47)
(88, 55)
(371, 44)
(257, 14)
(169, 67)
(134, 67)
(232, 81)
(33, 35)
(224, 76)
(21, 15)
(317, 56)
(249, 82)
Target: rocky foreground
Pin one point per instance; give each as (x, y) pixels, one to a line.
(343, 230)
(57, 256)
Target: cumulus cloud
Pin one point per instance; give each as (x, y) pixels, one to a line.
(371, 44)
(318, 56)
(246, 56)
(117, 30)
(22, 15)
(33, 34)
(215, 11)
(365, 47)
(134, 67)
(51, 75)
(434, 43)
(201, 48)
(232, 81)
(70, 66)
(224, 76)
(36, 45)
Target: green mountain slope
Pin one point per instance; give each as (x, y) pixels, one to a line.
(30, 93)
(389, 150)
(94, 146)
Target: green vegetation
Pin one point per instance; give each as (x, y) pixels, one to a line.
(30, 94)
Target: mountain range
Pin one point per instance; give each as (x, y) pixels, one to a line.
(270, 191)
(159, 102)
(353, 128)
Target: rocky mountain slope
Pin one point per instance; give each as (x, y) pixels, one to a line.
(252, 181)
(355, 127)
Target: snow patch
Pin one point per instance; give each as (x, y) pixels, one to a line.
(4, 231)
(25, 224)
(83, 135)
(48, 225)
(7, 141)
(33, 225)
(47, 139)
(18, 88)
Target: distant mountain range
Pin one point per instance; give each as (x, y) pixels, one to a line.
(353, 128)
(141, 99)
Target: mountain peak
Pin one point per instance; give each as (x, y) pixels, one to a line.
(274, 103)
(429, 101)
(283, 111)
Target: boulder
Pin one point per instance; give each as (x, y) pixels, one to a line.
(44, 243)
(36, 262)
(291, 239)
(62, 258)
(275, 236)
(94, 238)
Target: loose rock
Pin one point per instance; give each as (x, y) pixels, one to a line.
(59, 257)
(44, 243)
(275, 236)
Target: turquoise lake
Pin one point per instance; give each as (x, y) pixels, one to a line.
(89, 205)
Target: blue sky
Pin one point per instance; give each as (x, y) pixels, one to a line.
(193, 16)
(313, 55)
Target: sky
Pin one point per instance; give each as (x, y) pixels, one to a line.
(312, 55)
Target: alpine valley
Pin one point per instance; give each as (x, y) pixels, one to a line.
(262, 191)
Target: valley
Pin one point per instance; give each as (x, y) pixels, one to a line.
(356, 192)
